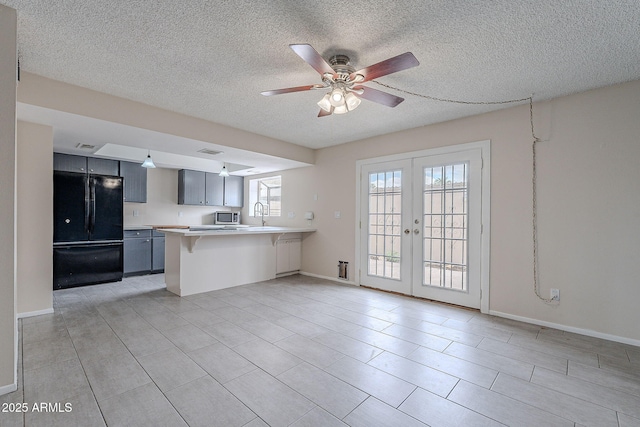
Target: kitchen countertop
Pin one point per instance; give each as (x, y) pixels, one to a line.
(152, 227)
(231, 230)
(137, 227)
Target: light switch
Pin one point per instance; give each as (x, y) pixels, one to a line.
(291, 215)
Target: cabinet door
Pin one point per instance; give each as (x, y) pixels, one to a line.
(69, 163)
(102, 166)
(288, 255)
(234, 191)
(135, 182)
(295, 254)
(282, 257)
(214, 189)
(191, 187)
(157, 263)
(137, 255)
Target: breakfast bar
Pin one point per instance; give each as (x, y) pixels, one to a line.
(206, 258)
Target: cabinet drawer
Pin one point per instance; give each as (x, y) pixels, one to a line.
(142, 234)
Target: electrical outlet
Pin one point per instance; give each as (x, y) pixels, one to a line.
(555, 294)
(337, 214)
(136, 212)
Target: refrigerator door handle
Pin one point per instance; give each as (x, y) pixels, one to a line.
(87, 205)
(93, 204)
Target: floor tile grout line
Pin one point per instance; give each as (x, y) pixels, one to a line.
(555, 391)
(84, 371)
(94, 299)
(137, 361)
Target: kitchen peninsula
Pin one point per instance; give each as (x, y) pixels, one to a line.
(207, 258)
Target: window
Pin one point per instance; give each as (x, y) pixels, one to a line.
(267, 191)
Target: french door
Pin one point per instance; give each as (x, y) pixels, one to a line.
(421, 226)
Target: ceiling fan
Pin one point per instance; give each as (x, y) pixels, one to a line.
(345, 82)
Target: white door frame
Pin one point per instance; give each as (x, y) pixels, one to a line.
(485, 246)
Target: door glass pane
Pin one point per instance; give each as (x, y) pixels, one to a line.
(385, 224)
(445, 218)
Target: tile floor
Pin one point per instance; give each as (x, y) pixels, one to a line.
(300, 351)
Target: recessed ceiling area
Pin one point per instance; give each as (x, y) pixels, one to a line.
(211, 60)
(81, 135)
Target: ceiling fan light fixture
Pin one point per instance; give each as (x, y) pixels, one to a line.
(352, 101)
(148, 162)
(341, 109)
(325, 104)
(337, 97)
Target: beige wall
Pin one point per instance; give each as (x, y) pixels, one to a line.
(8, 333)
(588, 209)
(34, 223)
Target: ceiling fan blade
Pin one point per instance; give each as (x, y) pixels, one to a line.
(378, 96)
(323, 113)
(389, 66)
(313, 58)
(289, 90)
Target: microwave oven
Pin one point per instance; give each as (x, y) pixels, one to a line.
(232, 218)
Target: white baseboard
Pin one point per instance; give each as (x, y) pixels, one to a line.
(34, 313)
(6, 389)
(333, 279)
(587, 332)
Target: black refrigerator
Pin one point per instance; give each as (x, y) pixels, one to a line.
(87, 229)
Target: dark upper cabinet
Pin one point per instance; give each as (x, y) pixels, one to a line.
(210, 189)
(135, 176)
(214, 189)
(103, 166)
(81, 164)
(69, 163)
(135, 182)
(191, 187)
(234, 191)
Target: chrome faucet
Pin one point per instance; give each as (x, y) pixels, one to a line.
(258, 208)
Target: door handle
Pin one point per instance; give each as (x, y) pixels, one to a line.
(407, 231)
(416, 231)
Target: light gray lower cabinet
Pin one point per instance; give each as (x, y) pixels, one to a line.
(137, 252)
(143, 252)
(157, 256)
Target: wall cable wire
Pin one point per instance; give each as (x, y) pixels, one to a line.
(534, 183)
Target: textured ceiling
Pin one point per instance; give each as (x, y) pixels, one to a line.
(211, 59)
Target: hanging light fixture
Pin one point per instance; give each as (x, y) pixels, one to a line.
(148, 162)
(341, 99)
(224, 171)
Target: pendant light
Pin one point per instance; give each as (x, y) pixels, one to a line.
(148, 162)
(224, 171)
